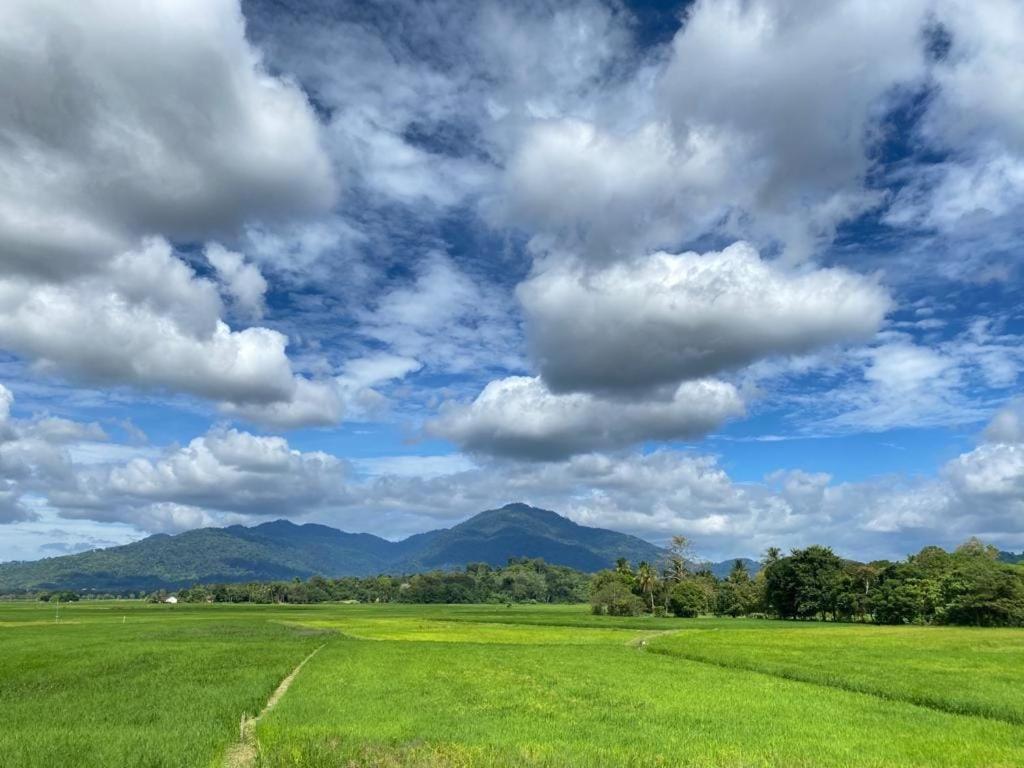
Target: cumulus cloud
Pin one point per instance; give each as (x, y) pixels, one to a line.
(322, 402)
(147, 321)
(227, 476)
(604, 194)
(225, 471)
(758, 122)
(192, 144)
(656, 321)
(34, 456)
(801, 94)
(1007, 426)
(243, 282)
(195, 144)
(521, 418)
(976, 193)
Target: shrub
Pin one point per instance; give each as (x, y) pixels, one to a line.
(615, 599)
(687, 599)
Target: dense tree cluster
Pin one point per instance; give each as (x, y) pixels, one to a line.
(523, 580)
(970, 586)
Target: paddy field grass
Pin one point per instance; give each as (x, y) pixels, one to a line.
(126, 684)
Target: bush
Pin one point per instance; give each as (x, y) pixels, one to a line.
(615, 599)
(687, 599)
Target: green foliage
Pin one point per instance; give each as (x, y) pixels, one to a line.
(611, 593)
(523, 580)
(688, 599)
(969, 587)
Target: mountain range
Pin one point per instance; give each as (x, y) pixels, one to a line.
(283, 550)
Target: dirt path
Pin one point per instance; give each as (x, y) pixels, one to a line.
(242, 753)
(640, 641)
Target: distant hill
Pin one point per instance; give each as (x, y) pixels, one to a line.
(1009, 557)
(520, 530)
(283, 550)
(722, 569)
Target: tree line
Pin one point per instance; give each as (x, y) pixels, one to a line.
(522, 580)
(969, 586)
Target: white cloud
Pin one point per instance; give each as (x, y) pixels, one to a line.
(323, 402)
(446, 319)
(671, 317)
(34, 457)
(519, 417)
(224, 471)
(1007, 426)
(243, 282)
(976, 193)
(900, 382)
(149, 322)
(606, 195)
(226, 476)
(123, 121)
(111, 160)
(758, 123)
(990, 471)
(800, 93)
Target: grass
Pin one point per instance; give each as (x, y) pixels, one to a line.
(954, 669)
(471, 686)
(122, 684)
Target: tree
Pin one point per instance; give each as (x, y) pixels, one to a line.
(771, 555)
(615, 599)
(739, 574)
(646, 581)
(680, 553)
(728, 600)
(687, 599)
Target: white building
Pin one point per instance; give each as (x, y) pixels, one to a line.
(172, 600)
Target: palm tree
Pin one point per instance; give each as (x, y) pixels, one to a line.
(680, 552)
(771, 555)
(646, 579)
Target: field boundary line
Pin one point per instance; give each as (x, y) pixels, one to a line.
(839, 685)
(243, 752)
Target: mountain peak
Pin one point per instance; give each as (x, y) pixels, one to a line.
(281, 549)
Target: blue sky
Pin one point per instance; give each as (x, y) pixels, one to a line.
(744, 271)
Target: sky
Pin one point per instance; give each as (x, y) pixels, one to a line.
(750, 272)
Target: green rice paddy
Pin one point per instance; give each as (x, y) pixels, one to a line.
(127, 684)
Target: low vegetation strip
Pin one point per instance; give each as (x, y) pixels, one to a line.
(960, 671)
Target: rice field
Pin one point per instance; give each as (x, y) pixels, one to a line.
(126, 684)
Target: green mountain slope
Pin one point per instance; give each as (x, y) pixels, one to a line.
(521, 530)
(278, 550)
(284, 550)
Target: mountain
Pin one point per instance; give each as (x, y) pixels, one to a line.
(277, 550)
(284, 550)
(723, 568)
(520, 530)
(1009, 557)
